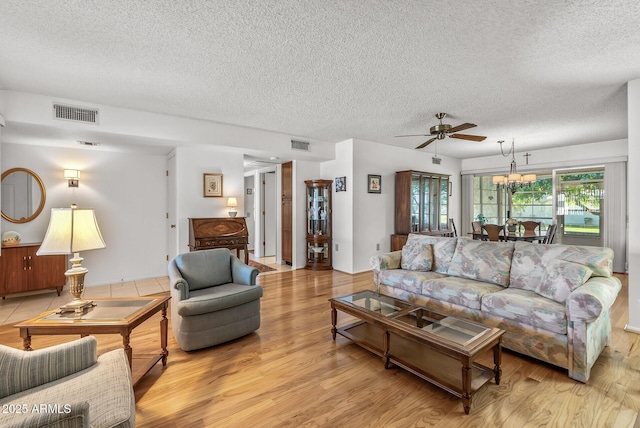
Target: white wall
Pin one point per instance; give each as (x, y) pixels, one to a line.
(127, 192)
(362, 220)
(191, 165)
(633, 169)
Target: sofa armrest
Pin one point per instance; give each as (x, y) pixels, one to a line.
(386, 261)
(587, 302)
(177, 282)
(74, 415)
(242, 273)
(22, 370)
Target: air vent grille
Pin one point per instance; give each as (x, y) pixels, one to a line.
(75, 114)
(300, 145)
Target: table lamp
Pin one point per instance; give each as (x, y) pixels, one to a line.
(232, 203)
(70, 231)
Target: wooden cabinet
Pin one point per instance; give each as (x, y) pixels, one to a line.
(22, 270)
(219, 232)
(422, 204)
(318, 224)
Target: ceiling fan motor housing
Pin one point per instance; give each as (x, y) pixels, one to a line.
(440, 129)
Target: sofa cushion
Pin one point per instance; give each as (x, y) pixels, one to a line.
(218, 298)
(417, 257)
(526, 307)
(458, 291)
(560, 278)
(407, 280)
(206, 268)
(443, 249)
(530, 261)
(482, 261)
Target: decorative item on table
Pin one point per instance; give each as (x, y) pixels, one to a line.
(10, 239)
(511, 224)
(70, 231)
(481, 218)
(341, 184)
(232, 203)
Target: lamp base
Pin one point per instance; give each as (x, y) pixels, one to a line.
(75, 279)
(233, 213)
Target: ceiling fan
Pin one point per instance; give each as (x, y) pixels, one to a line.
(444, 129)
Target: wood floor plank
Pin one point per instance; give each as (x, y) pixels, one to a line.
(291, 373)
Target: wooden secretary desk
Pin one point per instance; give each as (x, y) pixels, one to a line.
(219, 232)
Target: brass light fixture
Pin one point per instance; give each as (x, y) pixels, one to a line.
(70, 231)
(72, 176)
(513, 181)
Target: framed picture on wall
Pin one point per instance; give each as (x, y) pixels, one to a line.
(374, 183)
(341, 184)
(212, 185)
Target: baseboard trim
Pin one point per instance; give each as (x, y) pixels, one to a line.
(631, 329)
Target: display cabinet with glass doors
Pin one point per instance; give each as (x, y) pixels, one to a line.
(318, 224)
(422, 205)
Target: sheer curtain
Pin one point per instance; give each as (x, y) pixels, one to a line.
(466, 205)
(615, 213)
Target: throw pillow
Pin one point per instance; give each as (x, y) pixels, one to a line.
(560, 278)
(417, 257)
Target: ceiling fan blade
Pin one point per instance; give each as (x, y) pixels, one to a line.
(468, 137)
(461, 127)
(414, 135)
(426, 143)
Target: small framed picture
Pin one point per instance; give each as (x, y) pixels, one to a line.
(212, 185)
(341, 184)
(374, 183)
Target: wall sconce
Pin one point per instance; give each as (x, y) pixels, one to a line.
(232, 203)
(73, 176)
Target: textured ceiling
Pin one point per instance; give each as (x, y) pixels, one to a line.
(545, 73)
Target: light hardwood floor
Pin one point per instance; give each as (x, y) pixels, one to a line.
(291, 373)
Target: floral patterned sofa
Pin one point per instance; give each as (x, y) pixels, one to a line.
(553, 301)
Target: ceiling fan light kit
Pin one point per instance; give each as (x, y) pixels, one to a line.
(513, 181)
(441, 130)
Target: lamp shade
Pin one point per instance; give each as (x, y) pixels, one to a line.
(71, 174)
(232, 202)
(71, 230)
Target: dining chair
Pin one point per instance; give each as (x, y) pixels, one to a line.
(452, 226)
(476, 228)
(530, 226)
(550, 235)
(493, 231)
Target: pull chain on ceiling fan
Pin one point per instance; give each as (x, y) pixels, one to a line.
(438, 132)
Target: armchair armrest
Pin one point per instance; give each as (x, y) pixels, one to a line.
(587, 302)
(177, 282)
(22, 370)
(242, 273)
(73, 415)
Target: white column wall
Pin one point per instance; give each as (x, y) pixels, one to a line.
(633, 179)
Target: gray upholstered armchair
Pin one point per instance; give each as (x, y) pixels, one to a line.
(214, 298)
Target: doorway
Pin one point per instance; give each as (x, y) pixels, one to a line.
(580, 206)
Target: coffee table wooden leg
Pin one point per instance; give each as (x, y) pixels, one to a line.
(164, 323)
(497, 361)
(334, 321)
(385, 349)
(466, 388)
(127, 349)
(26, 339)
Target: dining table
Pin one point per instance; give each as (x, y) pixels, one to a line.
(512, 236)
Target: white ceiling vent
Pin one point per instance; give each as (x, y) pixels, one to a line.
(300, 145)
(75, 114)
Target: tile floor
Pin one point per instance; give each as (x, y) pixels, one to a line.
(20, 307)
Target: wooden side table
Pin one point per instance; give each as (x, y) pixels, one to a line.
(108, 316)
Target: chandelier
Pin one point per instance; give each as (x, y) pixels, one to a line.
(513, 181)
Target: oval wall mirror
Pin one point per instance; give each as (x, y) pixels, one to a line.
(23, 195)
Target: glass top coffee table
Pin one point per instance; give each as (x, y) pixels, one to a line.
(439, 348)
(107, 316)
